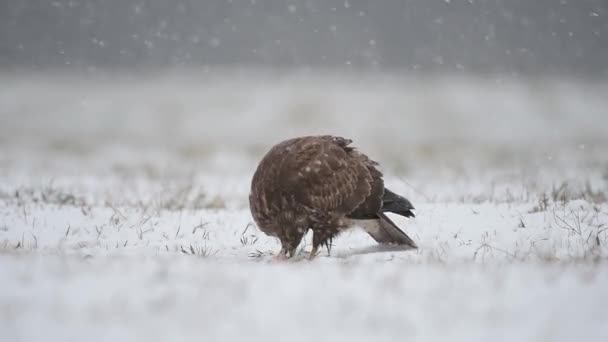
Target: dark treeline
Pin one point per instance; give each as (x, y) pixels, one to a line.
(519, 36)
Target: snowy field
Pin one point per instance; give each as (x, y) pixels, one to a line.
(124, 214)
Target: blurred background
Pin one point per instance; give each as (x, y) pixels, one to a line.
(428, 87)
(544, 37)
(127, 125)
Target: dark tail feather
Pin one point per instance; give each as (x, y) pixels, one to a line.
(397, 204)
(385, 231)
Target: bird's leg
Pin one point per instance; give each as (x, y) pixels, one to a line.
(315, 245)
(313, 252)
(328, 245)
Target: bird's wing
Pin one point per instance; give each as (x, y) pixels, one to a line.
(372, 203)
(326, 176)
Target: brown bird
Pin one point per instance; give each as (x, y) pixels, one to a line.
(322, 184)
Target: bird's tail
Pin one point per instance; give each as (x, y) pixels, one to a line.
(397, 204)
(385, 231)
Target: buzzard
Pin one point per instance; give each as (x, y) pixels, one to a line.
(320, 183)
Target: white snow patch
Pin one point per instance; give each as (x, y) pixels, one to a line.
(124, 212)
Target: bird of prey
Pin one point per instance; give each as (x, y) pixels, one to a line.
(320, 183)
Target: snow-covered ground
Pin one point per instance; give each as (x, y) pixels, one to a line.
(123, 209)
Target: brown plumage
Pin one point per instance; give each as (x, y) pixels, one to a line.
(323, 184)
